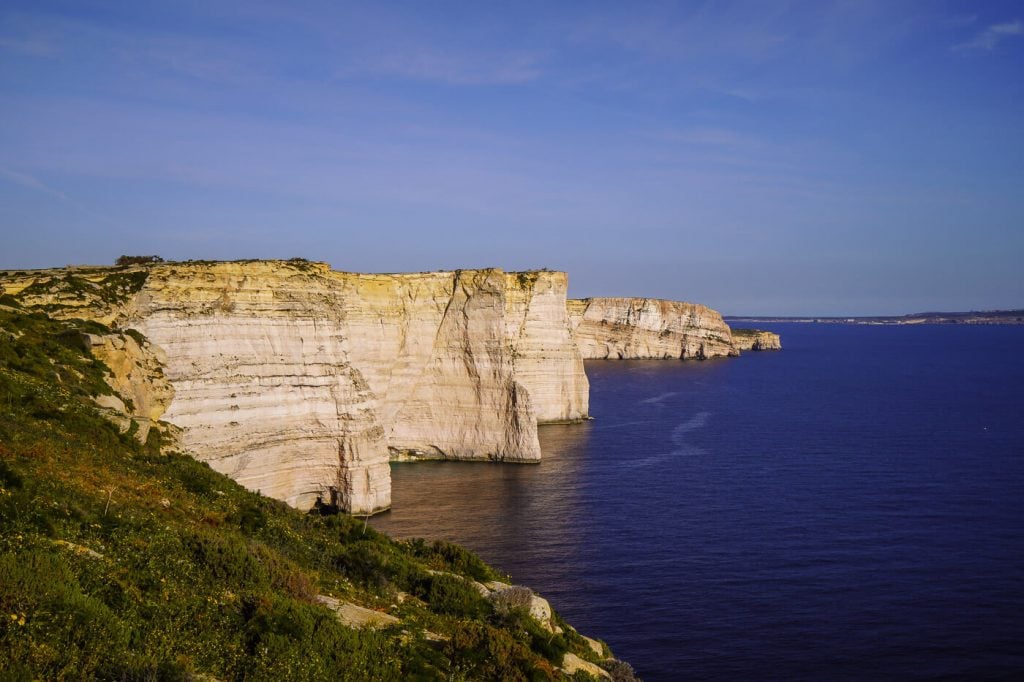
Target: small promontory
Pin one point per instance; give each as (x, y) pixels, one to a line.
(648, 328)
(755, 339)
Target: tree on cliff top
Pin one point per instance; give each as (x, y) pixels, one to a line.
(137, 260)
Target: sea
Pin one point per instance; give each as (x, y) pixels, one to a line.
(848, 508)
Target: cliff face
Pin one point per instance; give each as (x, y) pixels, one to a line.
(300, 381)
(755, 339)
(136, 374)
(432, 348)
(544, 354)
(265, 391)
(625, 328)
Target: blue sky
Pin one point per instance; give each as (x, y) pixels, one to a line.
(761, 157)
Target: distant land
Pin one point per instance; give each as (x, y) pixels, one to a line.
(972, 317)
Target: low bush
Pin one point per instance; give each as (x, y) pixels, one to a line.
(137, 260)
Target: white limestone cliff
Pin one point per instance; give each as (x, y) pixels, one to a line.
(432, 348)
(301, 382)
(639, 328)
(546, 359)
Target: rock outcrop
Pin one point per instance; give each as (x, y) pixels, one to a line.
(755, 339)
(136, 376)
(301, 382)
(639, 328)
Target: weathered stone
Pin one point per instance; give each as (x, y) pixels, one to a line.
(301, 382)
(79, 549)
(755, 339)
(594, 645)
(571, 663)
(638, 328)
(545, 357)
(356, 616)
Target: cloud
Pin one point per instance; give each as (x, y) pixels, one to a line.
(32, 183)
(40, 186)
(452, 68)
(992, 36)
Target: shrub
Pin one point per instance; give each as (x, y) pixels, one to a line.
(445, 556)
(137, 260)
(448, 594)
(620, 670)
(249, 517)
(511, 601)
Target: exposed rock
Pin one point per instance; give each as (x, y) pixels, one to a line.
(594, 645)
(638, 328)
(265, 391)
(539, 608)
(301, 382)
(79, 549)
(356, 616)
(545, 357)
(432, 348)
(571, 664)
(755, 339)
(136, 375)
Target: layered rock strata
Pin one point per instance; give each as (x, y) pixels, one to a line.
(301, 382)
(641, 328)
(432, 349)
(755, 339)
(544, 354)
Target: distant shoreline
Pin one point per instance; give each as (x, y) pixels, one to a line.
(973, 317)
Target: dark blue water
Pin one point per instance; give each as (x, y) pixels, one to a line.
(849, 508)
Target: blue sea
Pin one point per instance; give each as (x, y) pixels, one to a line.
(851, 507)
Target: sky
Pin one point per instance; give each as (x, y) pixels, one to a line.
(763, 158)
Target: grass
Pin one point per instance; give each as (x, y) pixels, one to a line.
(120, 561)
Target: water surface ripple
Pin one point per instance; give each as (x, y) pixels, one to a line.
(848, 508)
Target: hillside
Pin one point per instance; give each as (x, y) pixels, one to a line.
(127, 560)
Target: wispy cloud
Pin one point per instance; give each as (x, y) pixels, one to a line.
(451, 68)
(40, 186)
(989, 38)
(32, 183)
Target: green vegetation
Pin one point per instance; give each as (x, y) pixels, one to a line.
(106, 286)
(137, 260)
(122, 562)
(526, 280)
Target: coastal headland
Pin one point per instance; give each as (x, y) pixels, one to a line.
(303, 382)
